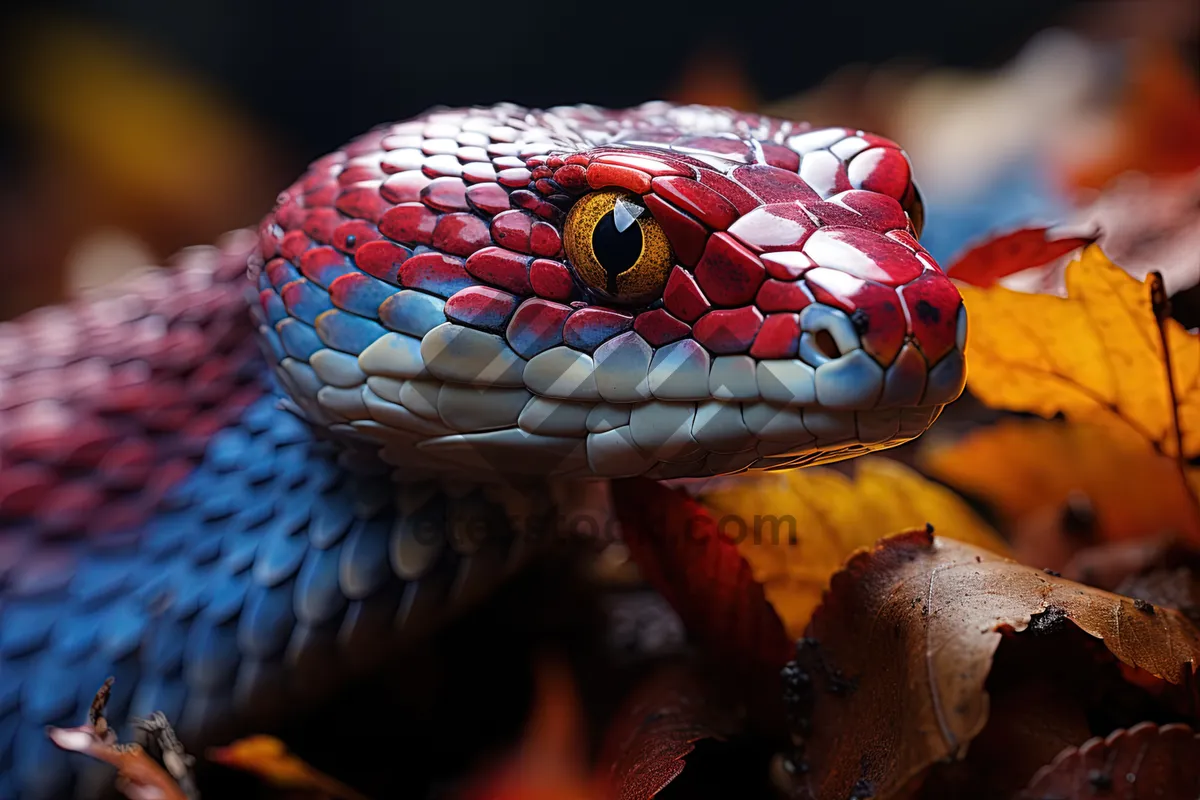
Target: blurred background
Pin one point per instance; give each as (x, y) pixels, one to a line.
(131, 128)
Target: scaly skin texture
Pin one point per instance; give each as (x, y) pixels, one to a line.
(225, 535)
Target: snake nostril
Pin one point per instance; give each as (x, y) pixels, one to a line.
(824, 342)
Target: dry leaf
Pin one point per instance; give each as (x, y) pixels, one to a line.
(1030, 471)
(138, 775)
(1095, 356)
(683, 554)
(796, 528)
(269, 758)
(1000, 256)
(1145, 225)
(1143, 762)
(655, 730)
(934, 611)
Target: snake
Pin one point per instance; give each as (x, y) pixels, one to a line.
(314, 438)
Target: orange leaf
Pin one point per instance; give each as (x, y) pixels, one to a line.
(796, 528)
(1095, 356)
(269, 758)
(655, 729)
(551, 762)
(933, 611)
(1032, 470)
(1145, 761)
(1001, 256)
(684, 554)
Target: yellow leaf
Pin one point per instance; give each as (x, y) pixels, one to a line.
(1094, 356)
(796, 528)
(1027, 468)
(269, 758)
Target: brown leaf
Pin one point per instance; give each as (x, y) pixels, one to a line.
(270, 759)
(1143, 762)
(1003, 255)
(934, 611)
(1161, 570)
(138, 775)
(682, 553)
(655, 730)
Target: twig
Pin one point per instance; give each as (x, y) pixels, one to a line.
(1161, 305)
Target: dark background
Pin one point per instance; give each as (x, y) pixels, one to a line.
(170, 123)
(315, 73)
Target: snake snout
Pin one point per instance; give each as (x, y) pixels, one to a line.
(886, 348)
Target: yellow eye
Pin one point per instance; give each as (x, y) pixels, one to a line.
(617, 248)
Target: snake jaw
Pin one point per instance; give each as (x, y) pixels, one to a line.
(418, 295)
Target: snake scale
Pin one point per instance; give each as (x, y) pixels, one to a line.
(216, 487)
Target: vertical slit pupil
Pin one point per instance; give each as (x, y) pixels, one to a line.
(616, 250)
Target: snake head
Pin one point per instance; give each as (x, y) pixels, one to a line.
(667, 291)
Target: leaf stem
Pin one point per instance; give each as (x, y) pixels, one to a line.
(1161, 304)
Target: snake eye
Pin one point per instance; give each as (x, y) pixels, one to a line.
(617, 247)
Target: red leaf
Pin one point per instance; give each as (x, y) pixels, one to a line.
(1005, 254)
(656, 728)
(1142, 762)
(683, 554)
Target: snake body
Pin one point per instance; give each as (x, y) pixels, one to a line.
(450, 315)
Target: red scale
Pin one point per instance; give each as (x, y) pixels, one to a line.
(433, 271)
(881, 169)
(683, 298)
(779, 337)
(698, 200)
(779, 226)
(729, 274)
(489, 198)
(405, 187)
(588, 328)
(686, 234)
(861, 209)
(864, 254)
(351, 235)
(776, 295)
(381, 259)
(551, 279)
(774, 185)
(511, 229)
(659, 328)
(409, 223)
(481, 307)
(445, 194)
(728, 331)
(321, 222)
(601, 175)
(461, 234)
(537, 326)
(931, 304)
(363, 200)
(500, 267)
